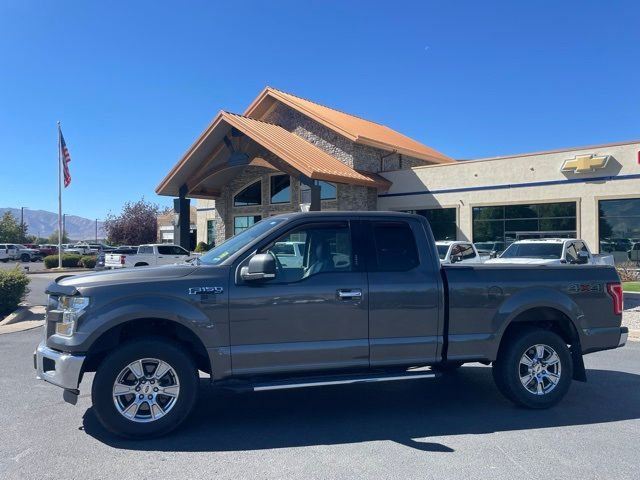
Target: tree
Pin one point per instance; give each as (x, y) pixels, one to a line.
(10, 230)
(137, 224)
(53, 238)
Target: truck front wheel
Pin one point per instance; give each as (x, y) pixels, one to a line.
(534, 369)
(145, 388)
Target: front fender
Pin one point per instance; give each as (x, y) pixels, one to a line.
(97, 321)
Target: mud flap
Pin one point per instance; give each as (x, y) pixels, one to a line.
(579, 372)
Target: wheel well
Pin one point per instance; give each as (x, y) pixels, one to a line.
(546, 318)
(146, 327)
(554, 320)
(141, 264)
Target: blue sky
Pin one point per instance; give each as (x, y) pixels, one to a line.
(134, 83)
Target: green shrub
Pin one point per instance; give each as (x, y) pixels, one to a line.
(68, 260)
(202, 247)
(13, 288)
(88, 261)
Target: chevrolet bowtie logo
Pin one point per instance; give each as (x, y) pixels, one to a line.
(585, 163)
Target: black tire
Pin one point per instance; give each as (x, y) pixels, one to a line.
(141, 265)
(507, 369)
(25, 257)
(449, 367)
(112, 366)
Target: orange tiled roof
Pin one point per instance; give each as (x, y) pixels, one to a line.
(354, 128)
(300, 154)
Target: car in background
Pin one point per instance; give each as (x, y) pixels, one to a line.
(457, 251)
(489, 249)
(634, 252)
(290, 254)
(48, 249)
(551, 251)
(81, 249)
(125, 250)
(148, 255)
(16, 251)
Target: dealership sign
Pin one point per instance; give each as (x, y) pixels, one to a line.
(585, 163)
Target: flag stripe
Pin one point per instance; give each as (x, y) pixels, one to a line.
(66, 159)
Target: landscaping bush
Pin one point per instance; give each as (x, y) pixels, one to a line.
(628, 272)
(202, 247)
(88, 261)
(13, 288)
(68, 260)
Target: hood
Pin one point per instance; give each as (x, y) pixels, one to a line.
(126, 275)
(524, 261)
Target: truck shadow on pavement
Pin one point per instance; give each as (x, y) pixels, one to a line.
(411, 413)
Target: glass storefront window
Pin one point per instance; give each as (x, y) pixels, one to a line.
(211, 232)
(249, 196)
(619, 229)
(280, 189)
(508, 223)
(442, 221)
(240, 224)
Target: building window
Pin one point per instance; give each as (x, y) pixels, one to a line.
(442, 221)
(249, 196)
(211, 232)
(508, 223)
(280, 189)
(240, 224)
(619, 228)
(327, 192)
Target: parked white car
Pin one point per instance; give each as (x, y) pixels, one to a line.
(551, 251)
(457, 251)
(81, 249)
(634, 253)
(148, 255)
(290, 254)
(15, 251)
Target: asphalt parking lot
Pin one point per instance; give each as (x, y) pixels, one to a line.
(454, 427)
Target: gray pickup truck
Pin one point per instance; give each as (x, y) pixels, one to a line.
(368, 302)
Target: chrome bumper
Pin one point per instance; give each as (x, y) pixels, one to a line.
(59, 368)
(624, 334)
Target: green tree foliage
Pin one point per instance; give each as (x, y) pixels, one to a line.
(202, 247)
(53, 238)
(10, 230)
(137, 224)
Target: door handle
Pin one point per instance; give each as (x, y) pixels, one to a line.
(350, 294)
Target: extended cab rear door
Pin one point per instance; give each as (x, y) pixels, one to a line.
(404, 293)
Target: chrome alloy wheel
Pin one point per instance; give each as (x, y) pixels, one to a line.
(146, 390)
(540, 369)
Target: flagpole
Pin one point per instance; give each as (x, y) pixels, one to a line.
(60, 232)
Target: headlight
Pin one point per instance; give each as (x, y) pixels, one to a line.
(72, 308)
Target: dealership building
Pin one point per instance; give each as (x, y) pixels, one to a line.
(286, 154)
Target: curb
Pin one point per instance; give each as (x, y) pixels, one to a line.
(21, 312)
(633, 294)
(64, 270)
(14, 317)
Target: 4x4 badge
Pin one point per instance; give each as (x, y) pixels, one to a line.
(205, 290)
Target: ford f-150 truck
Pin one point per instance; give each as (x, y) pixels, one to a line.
(370, 302)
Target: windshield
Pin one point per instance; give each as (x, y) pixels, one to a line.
(442, 251)
(488, 246)
(533, 250)
(219, 254)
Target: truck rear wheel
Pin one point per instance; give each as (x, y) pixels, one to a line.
(534, 369)
(145, 389)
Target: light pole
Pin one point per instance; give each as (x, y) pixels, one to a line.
(64, 228)
(22, 232)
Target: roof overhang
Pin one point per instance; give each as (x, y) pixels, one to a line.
(205, 168)
(348, 126)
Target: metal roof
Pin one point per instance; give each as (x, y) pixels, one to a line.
(354, 128)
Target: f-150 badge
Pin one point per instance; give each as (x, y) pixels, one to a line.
(205, 290)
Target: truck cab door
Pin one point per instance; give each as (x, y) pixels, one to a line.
(405, 321)
(309, 316)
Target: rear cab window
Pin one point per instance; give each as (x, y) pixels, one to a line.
(393, 248)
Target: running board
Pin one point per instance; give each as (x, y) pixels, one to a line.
(341, 380)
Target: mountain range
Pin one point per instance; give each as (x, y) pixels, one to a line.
(43, 224)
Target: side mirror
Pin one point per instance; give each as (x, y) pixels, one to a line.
(261, 266)
(493, 254)
(583, 258)
(456, 258)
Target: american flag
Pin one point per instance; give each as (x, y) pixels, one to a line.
(65, 158)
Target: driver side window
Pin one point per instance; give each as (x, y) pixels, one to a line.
(312, 249)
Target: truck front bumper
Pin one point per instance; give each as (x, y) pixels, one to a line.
(58, 368)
